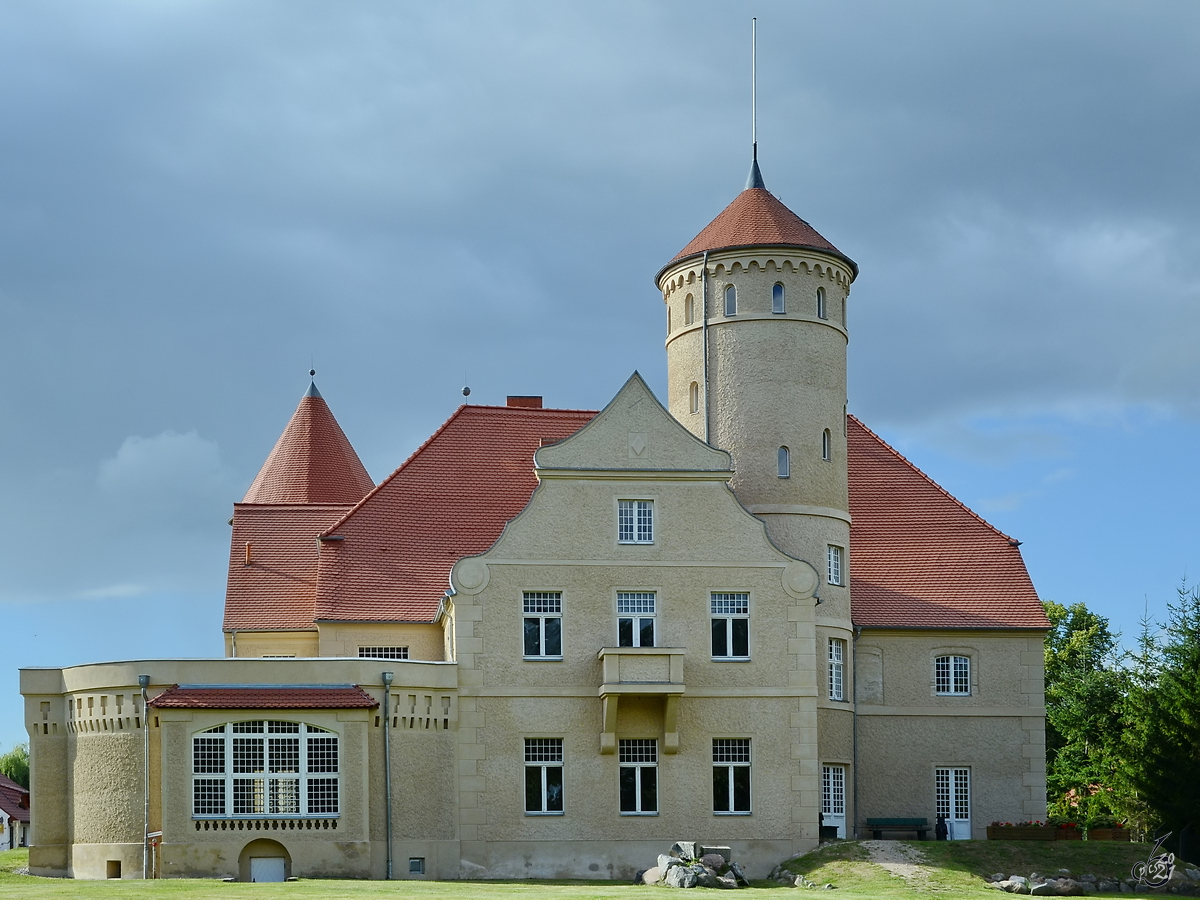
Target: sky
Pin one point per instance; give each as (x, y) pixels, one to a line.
(199, 201)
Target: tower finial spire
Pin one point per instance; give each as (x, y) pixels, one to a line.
(755, 179)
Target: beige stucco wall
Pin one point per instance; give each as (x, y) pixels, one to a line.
(425, 641)
(272, 643)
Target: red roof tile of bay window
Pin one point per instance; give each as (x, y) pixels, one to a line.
(312, 461)
(14, 800)
(920, 558)
(757, 217)
(448, 500)
(266, 696)
(277, 590)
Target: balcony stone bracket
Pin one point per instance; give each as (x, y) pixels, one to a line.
(646, 672)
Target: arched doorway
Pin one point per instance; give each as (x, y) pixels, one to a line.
(264, 860)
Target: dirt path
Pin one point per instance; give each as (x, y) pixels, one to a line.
(902, 860)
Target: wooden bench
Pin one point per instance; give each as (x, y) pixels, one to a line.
(879, 826)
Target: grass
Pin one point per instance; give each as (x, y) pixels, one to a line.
(956, 870)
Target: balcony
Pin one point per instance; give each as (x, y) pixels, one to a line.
(645, 672)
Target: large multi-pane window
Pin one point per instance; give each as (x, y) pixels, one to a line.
(833, 564)
(543, 624)
(635, 521)
(952, 675)
(638, 770)
(730, 625)
(543, 776)
(265, 768)
(635, 618)
(833, 790)
(731, 776)
(837, 668)
(383, 652)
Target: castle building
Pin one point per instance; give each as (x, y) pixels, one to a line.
(555, 641)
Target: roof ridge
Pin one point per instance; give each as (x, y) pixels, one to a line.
(904, 459)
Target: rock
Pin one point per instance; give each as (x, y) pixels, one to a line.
(665, 862)
(1193, 874)
(714, 861)
(726, 881)
(1013, 887)
(652, 875)
(1035, 877)
(1108, 887)
(1042, 889)
(706, 877)
(1068, 887)
(1126, 887)
(724, 852)
(997, 876)
(680, 877)
(684, 850)
(1064, 871)
(1019, 879)
(828, 887)
(736, 871)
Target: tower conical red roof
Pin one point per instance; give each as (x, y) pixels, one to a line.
(312, 462)
(756, 217)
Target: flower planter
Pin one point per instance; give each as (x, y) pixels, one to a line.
(1108, 834)
(1022, 832)
(1069, 834)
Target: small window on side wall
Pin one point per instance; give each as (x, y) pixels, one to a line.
(821, 303)
(689, 310)
(785, 463)
(694, 397)
(730, 300)
(778, 299)
(668, 320)
(952, 675)
(635, 521)
(826, 445)
(833, 565)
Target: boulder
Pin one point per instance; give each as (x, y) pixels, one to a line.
(714, 861)
(1107, 887)
(665, 862)
(739, 876)
(684, 850)
(726, 881)
(706, 877)
(652, 875)
(997, 876)
(1019, 879)
(1042, 889)
(1068, 887)
(724, 852)
(680, 877)
(1013, 887)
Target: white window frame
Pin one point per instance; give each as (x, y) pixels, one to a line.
(314, 785)
(952, 675)
(833, 790)
(837, 669)
(778, 299)
(637, 608)
(383, 652)
(822, 312)
(541, 607)
(730, 756)
(543, 756)
(726, 608)
(784, 462)
(730, 300)
(638, 758)
(835, 565)
(635, 521)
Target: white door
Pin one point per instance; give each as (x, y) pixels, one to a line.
(953, 788)
(833, 798)
(267, 868)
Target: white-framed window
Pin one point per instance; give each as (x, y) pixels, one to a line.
(730, 625)
(833, 790)
(265, 768)
(542, 624)
(778, 299)
(383, 653)
(731, 776)
(785, 462)
(543, 776)
(694, 397)
(826, 445)
(638, 776)
(689, 310)
(636, 611)
(635, 521)
(730, 300)
(837, 669)
(833, 564)
(821, 303)
(952, 675)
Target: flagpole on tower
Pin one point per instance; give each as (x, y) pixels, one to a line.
(754, 85)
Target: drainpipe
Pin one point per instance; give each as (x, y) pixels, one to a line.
(704, 333)
(387, 763)
(144, 682)
(854, 669)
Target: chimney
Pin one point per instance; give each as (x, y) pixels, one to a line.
(525, 402)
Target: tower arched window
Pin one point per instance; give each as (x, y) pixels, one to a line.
(694, 397)
(778, 299)
(689, 310)
(730, 300)
(821, 303)
(668, 320)
(785, 463)
(826, 445)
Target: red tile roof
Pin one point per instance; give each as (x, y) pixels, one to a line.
(279, 587)
(14, 800)
(312, 461)
(448, 500)
(264, 696)
(756, 217)
(919, 558)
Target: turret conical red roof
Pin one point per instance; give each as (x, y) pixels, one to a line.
(312, 462)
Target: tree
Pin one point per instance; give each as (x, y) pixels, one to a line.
(15, 764)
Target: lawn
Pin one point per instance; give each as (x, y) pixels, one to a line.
(955, 870)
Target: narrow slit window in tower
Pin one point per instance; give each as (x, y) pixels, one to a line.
(826, 450)
(730, 300)
(668, 320)
(785, 463)
(689, 310)
(778, 299)
(821, 303)
(694, 397)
